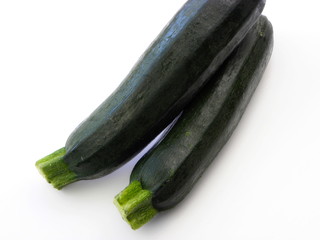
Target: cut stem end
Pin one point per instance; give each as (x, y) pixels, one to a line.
(55, 170)
(135, 205)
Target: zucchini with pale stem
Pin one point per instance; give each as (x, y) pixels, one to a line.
(165, 79)
(166, 174)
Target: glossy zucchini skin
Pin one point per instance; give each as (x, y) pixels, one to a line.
(168, 75)
(170, 170)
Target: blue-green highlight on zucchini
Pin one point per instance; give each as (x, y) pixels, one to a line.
(163, 82)
(170, 170)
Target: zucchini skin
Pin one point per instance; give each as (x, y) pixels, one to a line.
(172, 168)
(165, 79)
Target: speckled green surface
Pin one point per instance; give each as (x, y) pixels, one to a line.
(171, 169)
(162, 83)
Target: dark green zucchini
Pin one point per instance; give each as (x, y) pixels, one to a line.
(165, 175)
(192, 47)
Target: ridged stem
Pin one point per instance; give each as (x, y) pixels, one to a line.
(135, 205)
(55, 170)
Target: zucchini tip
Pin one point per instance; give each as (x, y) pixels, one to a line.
(135, 205)
(55, 170)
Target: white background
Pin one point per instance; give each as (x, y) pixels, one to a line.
(60, 59)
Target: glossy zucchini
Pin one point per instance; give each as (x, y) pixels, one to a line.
(165, 175)
(173, 69)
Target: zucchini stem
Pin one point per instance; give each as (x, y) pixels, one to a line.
(135, 205)
(55, 170)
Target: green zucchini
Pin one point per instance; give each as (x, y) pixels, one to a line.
(165, 79)
(166, 174)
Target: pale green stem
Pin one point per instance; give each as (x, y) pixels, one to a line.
(135, 205)
(55, 170)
